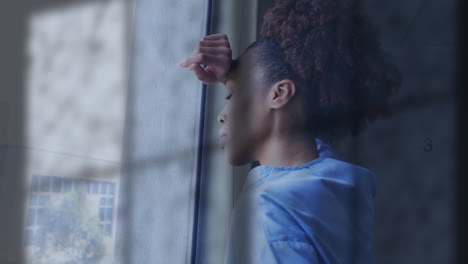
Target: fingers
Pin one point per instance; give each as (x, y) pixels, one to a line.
(202, 75)
(214, 43)
(206, 53)
(215, 53)
(205, 59)
(225, 51)
(216, 36)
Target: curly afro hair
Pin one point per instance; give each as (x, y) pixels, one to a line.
(331, 52)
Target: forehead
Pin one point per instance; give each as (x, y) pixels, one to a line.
(244, 69)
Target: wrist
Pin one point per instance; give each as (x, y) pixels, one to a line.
(224, 80)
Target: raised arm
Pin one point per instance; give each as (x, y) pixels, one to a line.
(215, 52)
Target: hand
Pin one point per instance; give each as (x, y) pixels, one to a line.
(213, 51)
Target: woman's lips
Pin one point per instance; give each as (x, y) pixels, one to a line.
(222, 137)
(222, 141)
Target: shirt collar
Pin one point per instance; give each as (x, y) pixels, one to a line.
(261, 172)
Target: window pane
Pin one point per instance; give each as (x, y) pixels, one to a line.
(112, 188)
(67, 185)
(31, 218)
(108, 214)
(74, 109)
(35, 184)
(223, 181)
(103, 188)
(102, 201)
(42, 200)
(161, 158)
(57, 184)
(32, 200)
(102, 214)
(94, 187)
(44, 183)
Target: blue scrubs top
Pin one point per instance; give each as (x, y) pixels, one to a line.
(317, 212)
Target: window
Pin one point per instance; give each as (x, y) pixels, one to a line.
(106, 210)
(162, 143)
(222, 182)
(36, 216)
(39, 213)
(83, 60)
(75, 63)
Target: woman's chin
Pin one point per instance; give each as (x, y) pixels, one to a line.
(235, 160)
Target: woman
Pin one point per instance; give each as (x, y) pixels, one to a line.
(316, 72)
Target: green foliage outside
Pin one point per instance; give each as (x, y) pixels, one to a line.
(68, 233)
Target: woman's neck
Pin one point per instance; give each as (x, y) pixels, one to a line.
(287, 150)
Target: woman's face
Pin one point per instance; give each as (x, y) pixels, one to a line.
(245, 113)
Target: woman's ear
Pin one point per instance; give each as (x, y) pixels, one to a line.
(281, 93)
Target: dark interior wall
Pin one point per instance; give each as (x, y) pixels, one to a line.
(461, 231)
(413, 154)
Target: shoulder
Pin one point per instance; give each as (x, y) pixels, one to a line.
(329, 177)
(322, 206)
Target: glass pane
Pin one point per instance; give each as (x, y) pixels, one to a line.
(57, 184)
(103, 188)
(68, 111)
(67, 185)
(108, 214)
(155, 226)
(31, 217)
(112, 188)
(102, 214)
(110, 201)
(44, 184)
(94, 187)
(237, 19)
(77, 63)
(35, 183)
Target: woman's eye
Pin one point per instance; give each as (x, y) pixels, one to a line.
(229, 96)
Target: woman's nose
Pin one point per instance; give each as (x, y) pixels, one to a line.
(221, 118)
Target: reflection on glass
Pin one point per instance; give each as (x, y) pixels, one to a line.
(76, 65)
(61, 221)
